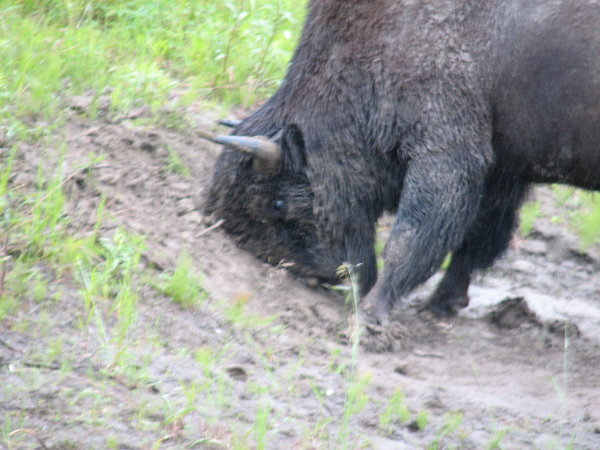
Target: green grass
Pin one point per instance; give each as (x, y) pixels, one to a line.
(184, 285)
(578, 209)
(529, 214)
(175, 164)
(451, 424)
(587, 219)
(138, 52)
(395, 412)
(162, 55)
(40, 251)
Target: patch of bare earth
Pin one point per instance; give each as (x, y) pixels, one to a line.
(524, 372)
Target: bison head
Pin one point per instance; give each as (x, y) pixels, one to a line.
(270, 198)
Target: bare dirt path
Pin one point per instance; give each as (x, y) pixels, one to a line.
(521, 374)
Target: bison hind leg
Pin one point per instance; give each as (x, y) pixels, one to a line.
(487, 238)
(451, 293)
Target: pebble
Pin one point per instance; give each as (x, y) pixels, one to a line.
(534, 246)
(184, 206)
(195, 218)
(522, 265)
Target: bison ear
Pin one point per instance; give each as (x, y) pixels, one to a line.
(293, 149)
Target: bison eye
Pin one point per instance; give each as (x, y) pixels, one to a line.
(278, 209)
(279, 205)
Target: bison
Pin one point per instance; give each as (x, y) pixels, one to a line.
(440, 111)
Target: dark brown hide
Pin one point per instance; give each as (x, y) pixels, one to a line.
(440, 111)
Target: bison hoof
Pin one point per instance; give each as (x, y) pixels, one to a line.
(383, 338)
(375, 316)
(447, 306)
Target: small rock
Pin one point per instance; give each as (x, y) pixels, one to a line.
(187, 236)
(522, 265)
(184, 206)
(80, 103)
(534, 246)
(312, 282)
(181, 186)
(137, 113)
(92, 131)
(194, 217)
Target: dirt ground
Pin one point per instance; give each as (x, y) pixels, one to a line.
(520, 365)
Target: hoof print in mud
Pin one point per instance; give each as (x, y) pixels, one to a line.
(383, 338)
(564, 328)
(512, 313)
(237, 373)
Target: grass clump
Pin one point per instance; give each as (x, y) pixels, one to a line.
(529, 214)
(587, 220)
(452, 424)
(184, 285)
(422, 420)
(107, 271)
(40, 253)
(175, 164)
(136, 52)
(261, 426)
(395, 411)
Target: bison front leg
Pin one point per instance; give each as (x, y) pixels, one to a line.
(440, 200)
(487, 239)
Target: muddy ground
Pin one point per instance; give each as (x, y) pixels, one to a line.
(519, 368)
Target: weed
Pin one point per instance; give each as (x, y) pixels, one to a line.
(261, 425)
(10, 423)
(379, 248)
(582, 213)
(587, 220)
(337, 364)
(422, 420)
(562, 193)
(138, 52)
(529, 214)
(395, 411)
(206, 358)
(112, 443)
(353, 297)
(452, 423)
(109, 276)
(184, 285)
(356, 395)
(238, 315)
(175, 164)
(55, 348)
(357, 399)
(7, 306)
(447, 261)
(191, 392)
(496, 441)
(39, 288)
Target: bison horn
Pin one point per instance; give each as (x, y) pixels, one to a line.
(267, 154)
(230, 123)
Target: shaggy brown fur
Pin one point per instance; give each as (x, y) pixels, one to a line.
(441, 111)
